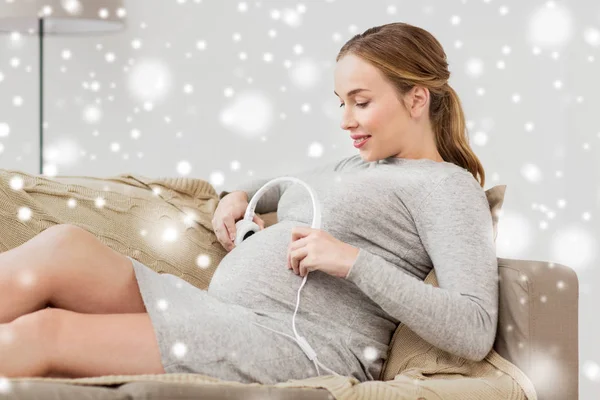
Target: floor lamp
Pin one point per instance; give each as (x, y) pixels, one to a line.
(59, 17)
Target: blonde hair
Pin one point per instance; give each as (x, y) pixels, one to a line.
(407, 56)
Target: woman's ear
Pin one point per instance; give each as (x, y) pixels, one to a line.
(418, 100)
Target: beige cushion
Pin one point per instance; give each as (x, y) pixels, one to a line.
(495, 197)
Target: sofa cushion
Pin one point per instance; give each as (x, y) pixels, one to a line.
(495, 197)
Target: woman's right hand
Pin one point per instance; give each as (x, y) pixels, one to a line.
(231, 209)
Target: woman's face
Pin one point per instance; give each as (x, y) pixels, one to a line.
(376, 111)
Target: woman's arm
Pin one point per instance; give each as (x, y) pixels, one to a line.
(455, 226)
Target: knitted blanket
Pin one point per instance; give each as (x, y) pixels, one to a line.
(165, 223)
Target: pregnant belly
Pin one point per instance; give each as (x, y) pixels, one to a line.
(254, 273)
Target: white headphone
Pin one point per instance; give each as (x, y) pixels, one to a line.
(245, 228)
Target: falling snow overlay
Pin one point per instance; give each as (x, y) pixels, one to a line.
(249, 94)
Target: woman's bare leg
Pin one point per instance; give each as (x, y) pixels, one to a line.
(66, 267)
(60, 343)
(24, 345)
(107, 344)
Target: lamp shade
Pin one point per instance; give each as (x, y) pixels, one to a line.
(62, 17)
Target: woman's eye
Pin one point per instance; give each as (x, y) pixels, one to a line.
(358, 104)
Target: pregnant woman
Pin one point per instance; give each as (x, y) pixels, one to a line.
(412, 199)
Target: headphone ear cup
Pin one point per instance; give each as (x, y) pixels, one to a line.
(245, 229)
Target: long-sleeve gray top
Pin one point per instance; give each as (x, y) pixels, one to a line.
(405, 216)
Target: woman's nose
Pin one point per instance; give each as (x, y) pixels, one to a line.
(347, 122)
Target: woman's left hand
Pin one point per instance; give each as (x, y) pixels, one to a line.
(314, 249)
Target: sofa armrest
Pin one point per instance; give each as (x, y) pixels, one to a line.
(538, 324)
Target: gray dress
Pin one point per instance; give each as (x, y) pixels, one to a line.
(198, 333)
(404, 216)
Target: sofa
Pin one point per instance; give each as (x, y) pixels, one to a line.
(537, 332)
(547, 329)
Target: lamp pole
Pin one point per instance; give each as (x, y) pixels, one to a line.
(41, 60)
(88, 17)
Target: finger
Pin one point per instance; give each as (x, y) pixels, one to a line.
(225, 242)
(300, 232)
(219, 234)
(293, 261)
(291, 248)
(230, 225)
(258, 221)
(298, 243)
(302, 269)
(297, 256)
(222, 236)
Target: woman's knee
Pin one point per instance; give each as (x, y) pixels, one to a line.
(66, 233)
(55, 239)
(37, 331)
(61, 244)
(42, 258)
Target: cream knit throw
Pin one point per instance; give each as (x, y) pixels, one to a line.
(164, 223)
(146, 219)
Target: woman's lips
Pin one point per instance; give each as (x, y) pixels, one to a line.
(362, 142)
